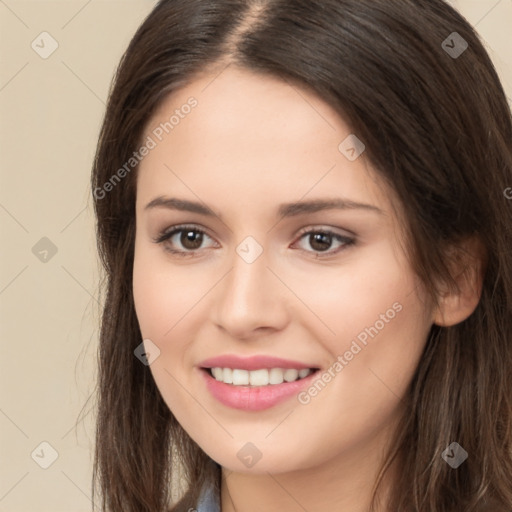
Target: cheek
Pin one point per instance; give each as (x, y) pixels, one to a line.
(380, 319)
(388, 317)
(160, 295)
(162, 298)
(362, 299)
(363, 394)
(383, 330)
(169, 309)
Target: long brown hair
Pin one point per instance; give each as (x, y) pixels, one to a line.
(437, 127)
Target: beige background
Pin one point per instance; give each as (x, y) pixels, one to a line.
(51, 110)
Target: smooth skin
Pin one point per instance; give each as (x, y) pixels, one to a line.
(252, 143)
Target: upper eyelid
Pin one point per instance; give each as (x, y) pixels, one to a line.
(334, 231)
(181, 227)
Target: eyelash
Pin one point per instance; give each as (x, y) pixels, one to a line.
(165, 235)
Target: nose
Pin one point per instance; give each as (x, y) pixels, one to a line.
(250, 301)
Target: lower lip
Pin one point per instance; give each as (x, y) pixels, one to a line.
(255, 398)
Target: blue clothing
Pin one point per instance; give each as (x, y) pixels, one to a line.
(209, 501)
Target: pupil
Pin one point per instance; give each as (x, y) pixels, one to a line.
(321, 238)
(193, 238)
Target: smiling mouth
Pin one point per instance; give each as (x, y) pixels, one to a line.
(258, 378)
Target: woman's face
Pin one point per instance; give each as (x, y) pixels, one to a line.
(274, 275)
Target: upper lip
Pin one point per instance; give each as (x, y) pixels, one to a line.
(252, 363)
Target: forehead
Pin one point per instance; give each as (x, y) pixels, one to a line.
(255, 136)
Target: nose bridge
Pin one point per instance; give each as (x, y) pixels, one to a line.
(249, 296)
(248, 279)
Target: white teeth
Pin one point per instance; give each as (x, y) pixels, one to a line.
(276, 376)
(258, 378)
(217, 373)
(223, 374)
(304, 373)
(291, 375)
(228, 375)
(240, 377)
(261, 377)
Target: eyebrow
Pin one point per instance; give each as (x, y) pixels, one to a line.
(284, 210)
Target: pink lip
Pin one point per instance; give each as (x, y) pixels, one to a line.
(252, 363)
(255, 398)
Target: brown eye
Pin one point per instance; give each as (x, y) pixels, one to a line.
(182, 240)
(321, 241)
(191, 239)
